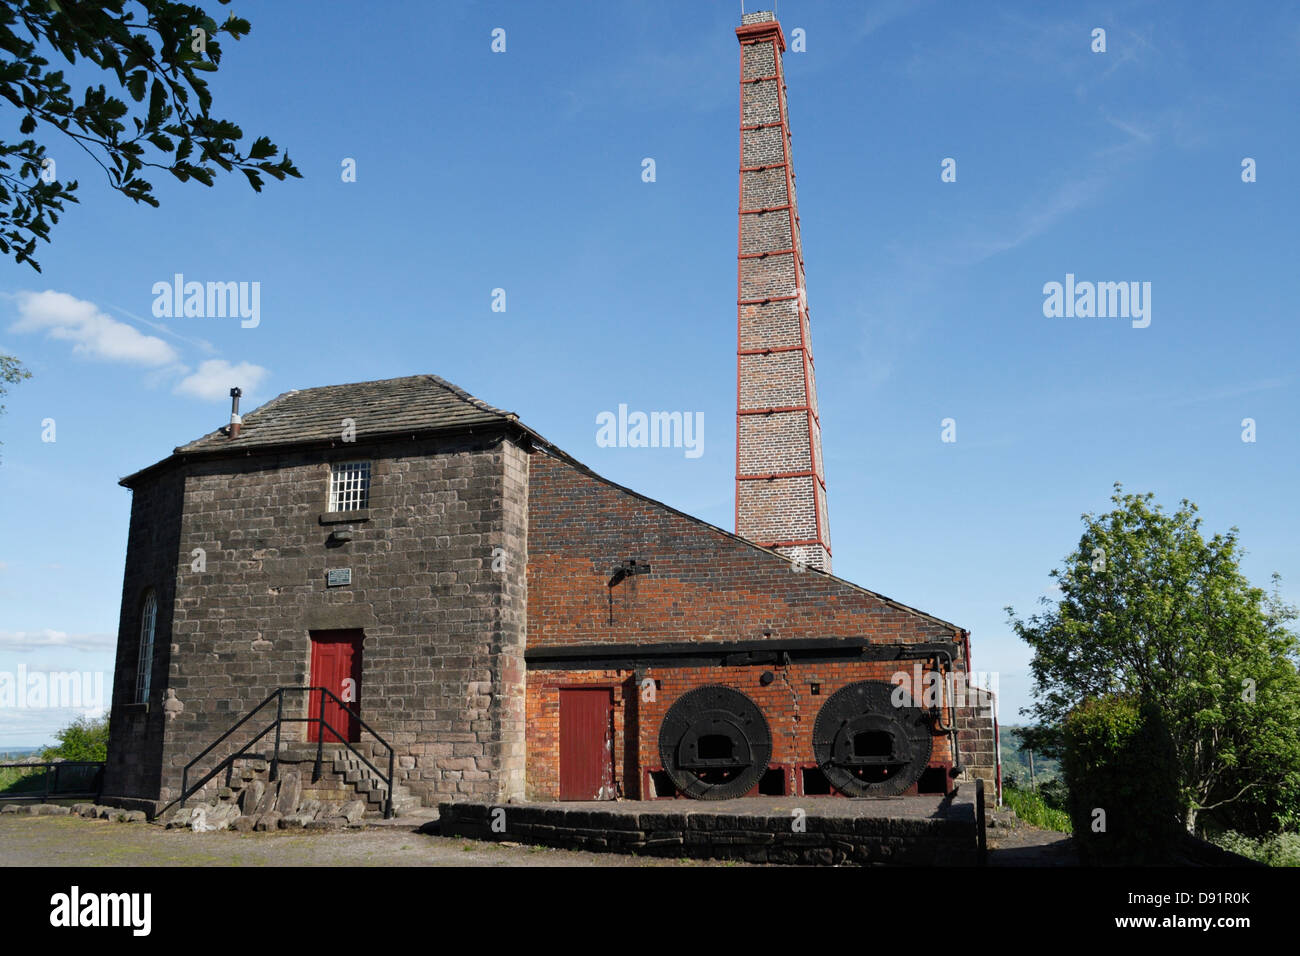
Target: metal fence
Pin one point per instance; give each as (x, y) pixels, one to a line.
(62, 779)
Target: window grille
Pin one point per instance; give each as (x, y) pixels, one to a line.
(350, 486)
(144, 666)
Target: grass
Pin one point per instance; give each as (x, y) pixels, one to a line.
(12, 780)
(1033, 809)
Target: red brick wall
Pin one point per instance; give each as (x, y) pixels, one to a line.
(704, 586)
(543, 720)
(788, 704)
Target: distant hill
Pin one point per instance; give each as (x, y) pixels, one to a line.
(1015, 759)
(10, 754)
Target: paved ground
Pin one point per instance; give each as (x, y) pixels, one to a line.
(73, 841)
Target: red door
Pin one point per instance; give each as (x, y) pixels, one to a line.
(586, 744)
(336, 666)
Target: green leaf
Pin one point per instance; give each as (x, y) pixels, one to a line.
(157, 103)
(262, 148)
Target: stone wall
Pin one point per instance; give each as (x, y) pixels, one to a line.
(135, 750)
(443, 623)
(945, 834)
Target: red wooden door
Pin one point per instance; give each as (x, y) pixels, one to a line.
(336, 666)
(586, 744)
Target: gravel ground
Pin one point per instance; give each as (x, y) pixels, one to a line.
(73, 841)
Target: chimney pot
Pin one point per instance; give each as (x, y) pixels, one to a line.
(235, 420)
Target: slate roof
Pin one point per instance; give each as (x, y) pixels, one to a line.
(414, 403)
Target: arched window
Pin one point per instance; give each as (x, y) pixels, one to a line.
(144, 666)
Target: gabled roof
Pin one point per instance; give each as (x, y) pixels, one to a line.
(415, 404)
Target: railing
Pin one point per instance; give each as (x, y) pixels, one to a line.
(47, 790)
(322, 725)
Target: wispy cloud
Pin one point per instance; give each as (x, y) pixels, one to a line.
(66, 318)
(203, 345)
(91, 332)
(1229, 391)
(884, 12)
(47, 638)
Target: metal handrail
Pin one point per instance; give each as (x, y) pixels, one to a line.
(278, 696)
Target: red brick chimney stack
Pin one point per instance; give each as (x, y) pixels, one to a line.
(780, 482)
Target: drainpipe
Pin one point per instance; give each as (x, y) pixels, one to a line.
(952, 726)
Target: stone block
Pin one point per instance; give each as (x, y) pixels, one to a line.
(251, 797)
(290, 792)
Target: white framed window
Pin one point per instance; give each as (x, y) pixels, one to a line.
(350, 486)
(144, 665)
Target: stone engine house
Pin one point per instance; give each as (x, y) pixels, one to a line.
(514, 625)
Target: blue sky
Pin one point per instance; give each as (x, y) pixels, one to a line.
(522, 171)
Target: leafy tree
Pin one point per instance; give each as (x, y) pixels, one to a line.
(1149, 608)
(11, 373)
(151, 48)
(83, 739)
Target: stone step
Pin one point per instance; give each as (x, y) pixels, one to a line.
(347, 767)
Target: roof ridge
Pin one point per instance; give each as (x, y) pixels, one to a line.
(404, 402)
(466, 396)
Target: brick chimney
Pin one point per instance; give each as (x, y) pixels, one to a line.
(780, 482)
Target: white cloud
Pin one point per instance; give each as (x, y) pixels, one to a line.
(48, 638)
(92, 332)
(215, 378)
(203, 345)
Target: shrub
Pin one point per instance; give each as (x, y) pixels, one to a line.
(83, 739)
(1118, 758)
(1278, 849)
